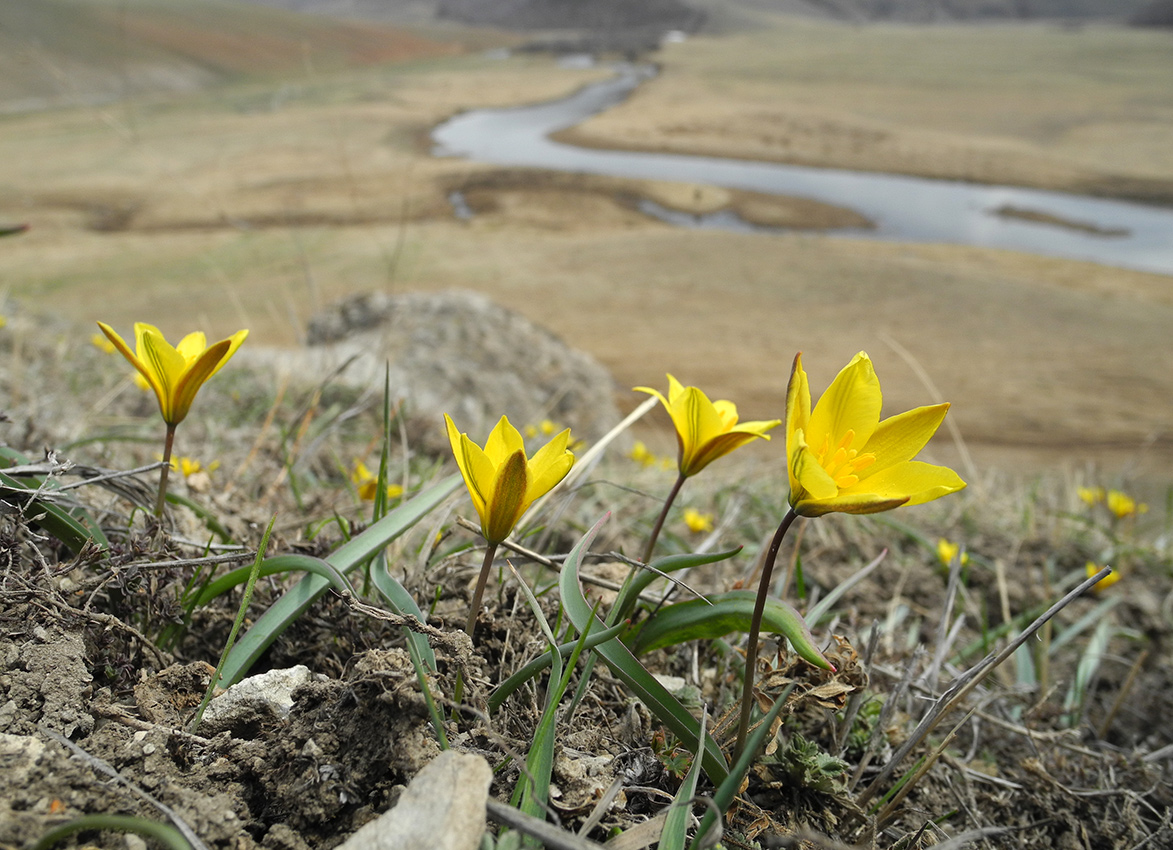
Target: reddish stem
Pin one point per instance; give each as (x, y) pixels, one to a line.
(660, 519)
(755, 626)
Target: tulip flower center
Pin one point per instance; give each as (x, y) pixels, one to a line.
(842, 462)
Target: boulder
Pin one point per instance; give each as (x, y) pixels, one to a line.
(452, 352)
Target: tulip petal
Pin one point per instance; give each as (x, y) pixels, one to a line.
(193, 378)
(192, 345)
(851, 403)
(476, 469)
(504, 440)
(798, 406)
(234, 342)
(125, 351)
(549, 466)
(901, 437)
(915, 481)
(719, 446)
(507, 498)
(697, 422)
(807, 476)
(165, 365)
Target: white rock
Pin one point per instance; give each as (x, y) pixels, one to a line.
(442, 809)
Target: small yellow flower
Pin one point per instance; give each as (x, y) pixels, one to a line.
(1091, 496)
(841, 457)
(697, 522)
(174, 373)
(705, 430)
(545, 428)
(368, 484)
(103, 345)
(189, 466)
(1107, 581)
(1122, 505)
(502, 482)
(3, 321)
(640, 454)
(947, 551)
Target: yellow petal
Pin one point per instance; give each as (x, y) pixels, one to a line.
(507, 498)
(808, 479)
(899, 438)
(915, 481)
(164, 369)
(125, 351)
(727, 412)
(697, 422)
(192, 345)
(798, 407)
(549, 466)
(475, 468)
(719, 446)
(851, 403)
(234, 342)
(503, 441)
(193, 378)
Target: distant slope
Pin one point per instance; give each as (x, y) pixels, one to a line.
(59, 52)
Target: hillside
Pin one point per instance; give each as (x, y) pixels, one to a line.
(65, 52)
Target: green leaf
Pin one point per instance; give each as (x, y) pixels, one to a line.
(639, 581)
(295, 601)
(728, 612)
(727, 789)
(402, 603)
(273, 566)
(624, 665)
(675, 831)
(53, 519)
(529, 671)
(167, 835)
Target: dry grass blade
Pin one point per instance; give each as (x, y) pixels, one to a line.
(966, 683)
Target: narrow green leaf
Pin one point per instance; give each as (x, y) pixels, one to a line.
(273, 566)
(675, 831)
(529, 671)
(640, 580)
(722, 614)
(401, 602)
(166, 834)
(57, 521)
(624, 665)
(727, 789)
(294, 602)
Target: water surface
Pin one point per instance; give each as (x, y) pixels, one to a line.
(905, 209)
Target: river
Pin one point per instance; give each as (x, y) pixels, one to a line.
(903, 209)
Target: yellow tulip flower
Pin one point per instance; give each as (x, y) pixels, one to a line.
(367, 484)
(1091, 496)
(500, 480)
(1122, 505)
(842, 458)
(696, 521)
(947, 551)
(175, 373)
(705, 430)
(1091, 568)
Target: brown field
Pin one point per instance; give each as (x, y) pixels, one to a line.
(257, 202)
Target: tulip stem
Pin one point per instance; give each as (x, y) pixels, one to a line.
(165, 471)
(478, 594)
(755, 625)
(663, 515)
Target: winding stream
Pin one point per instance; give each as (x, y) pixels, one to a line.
(903, 209)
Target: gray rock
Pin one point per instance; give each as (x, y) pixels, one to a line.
(453, 352)
(253, 702)
(442, 809)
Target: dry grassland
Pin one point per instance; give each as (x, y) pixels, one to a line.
(255, 204)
